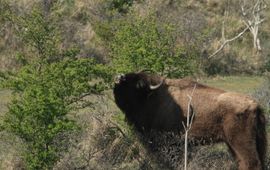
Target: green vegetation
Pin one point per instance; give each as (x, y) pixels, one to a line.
(142, 44)
(45, 88)
(121, 5)
(38, 111)
(58, 58)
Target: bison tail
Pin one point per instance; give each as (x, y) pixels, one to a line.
(261, 139)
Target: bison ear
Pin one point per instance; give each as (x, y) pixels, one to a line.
(140, 84)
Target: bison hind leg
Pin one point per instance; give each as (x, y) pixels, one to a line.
(241, 135)
(245, 153)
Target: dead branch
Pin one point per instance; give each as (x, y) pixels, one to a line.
(252, 19)
(115, 126)
(119, 129)
(189, 122)
(78, 99)
(227, 41)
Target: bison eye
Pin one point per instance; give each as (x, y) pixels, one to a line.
(140, 84)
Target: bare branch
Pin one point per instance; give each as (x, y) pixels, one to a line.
(252, 24)
(188, 125)
(184, 125)
(190, 109)
(79, 98)
(252, 18)
(115, 126)
(227, 41)
(192, 117)
(119, 129)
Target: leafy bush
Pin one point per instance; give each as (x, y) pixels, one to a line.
(5, 9)
(121, 5)
(143, 44)
(46, 88)
(38, 112)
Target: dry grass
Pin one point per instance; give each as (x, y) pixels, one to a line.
(5, 96)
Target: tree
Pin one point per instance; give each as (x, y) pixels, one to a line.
(141, 43)
(252, 16)
(46, 88)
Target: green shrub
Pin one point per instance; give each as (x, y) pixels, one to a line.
(5, 10)
(38, 112)
(46, 88)
(140, 43)
(121, 5)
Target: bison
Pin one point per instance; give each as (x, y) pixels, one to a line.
(151, 102)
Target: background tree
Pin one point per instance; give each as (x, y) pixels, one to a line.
(253, 17)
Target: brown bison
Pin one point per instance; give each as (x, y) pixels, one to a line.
(151, 102)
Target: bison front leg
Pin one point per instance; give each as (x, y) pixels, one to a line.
(240, 135)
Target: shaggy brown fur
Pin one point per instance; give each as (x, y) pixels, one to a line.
(221, 116)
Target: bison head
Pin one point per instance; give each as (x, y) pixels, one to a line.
(132, 90)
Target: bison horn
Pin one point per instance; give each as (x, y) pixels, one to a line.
(154, 87)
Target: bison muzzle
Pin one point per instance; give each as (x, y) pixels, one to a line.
(151, 102)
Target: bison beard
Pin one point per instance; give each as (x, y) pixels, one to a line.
(151, 102)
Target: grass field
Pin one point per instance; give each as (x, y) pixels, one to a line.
(242, 84)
